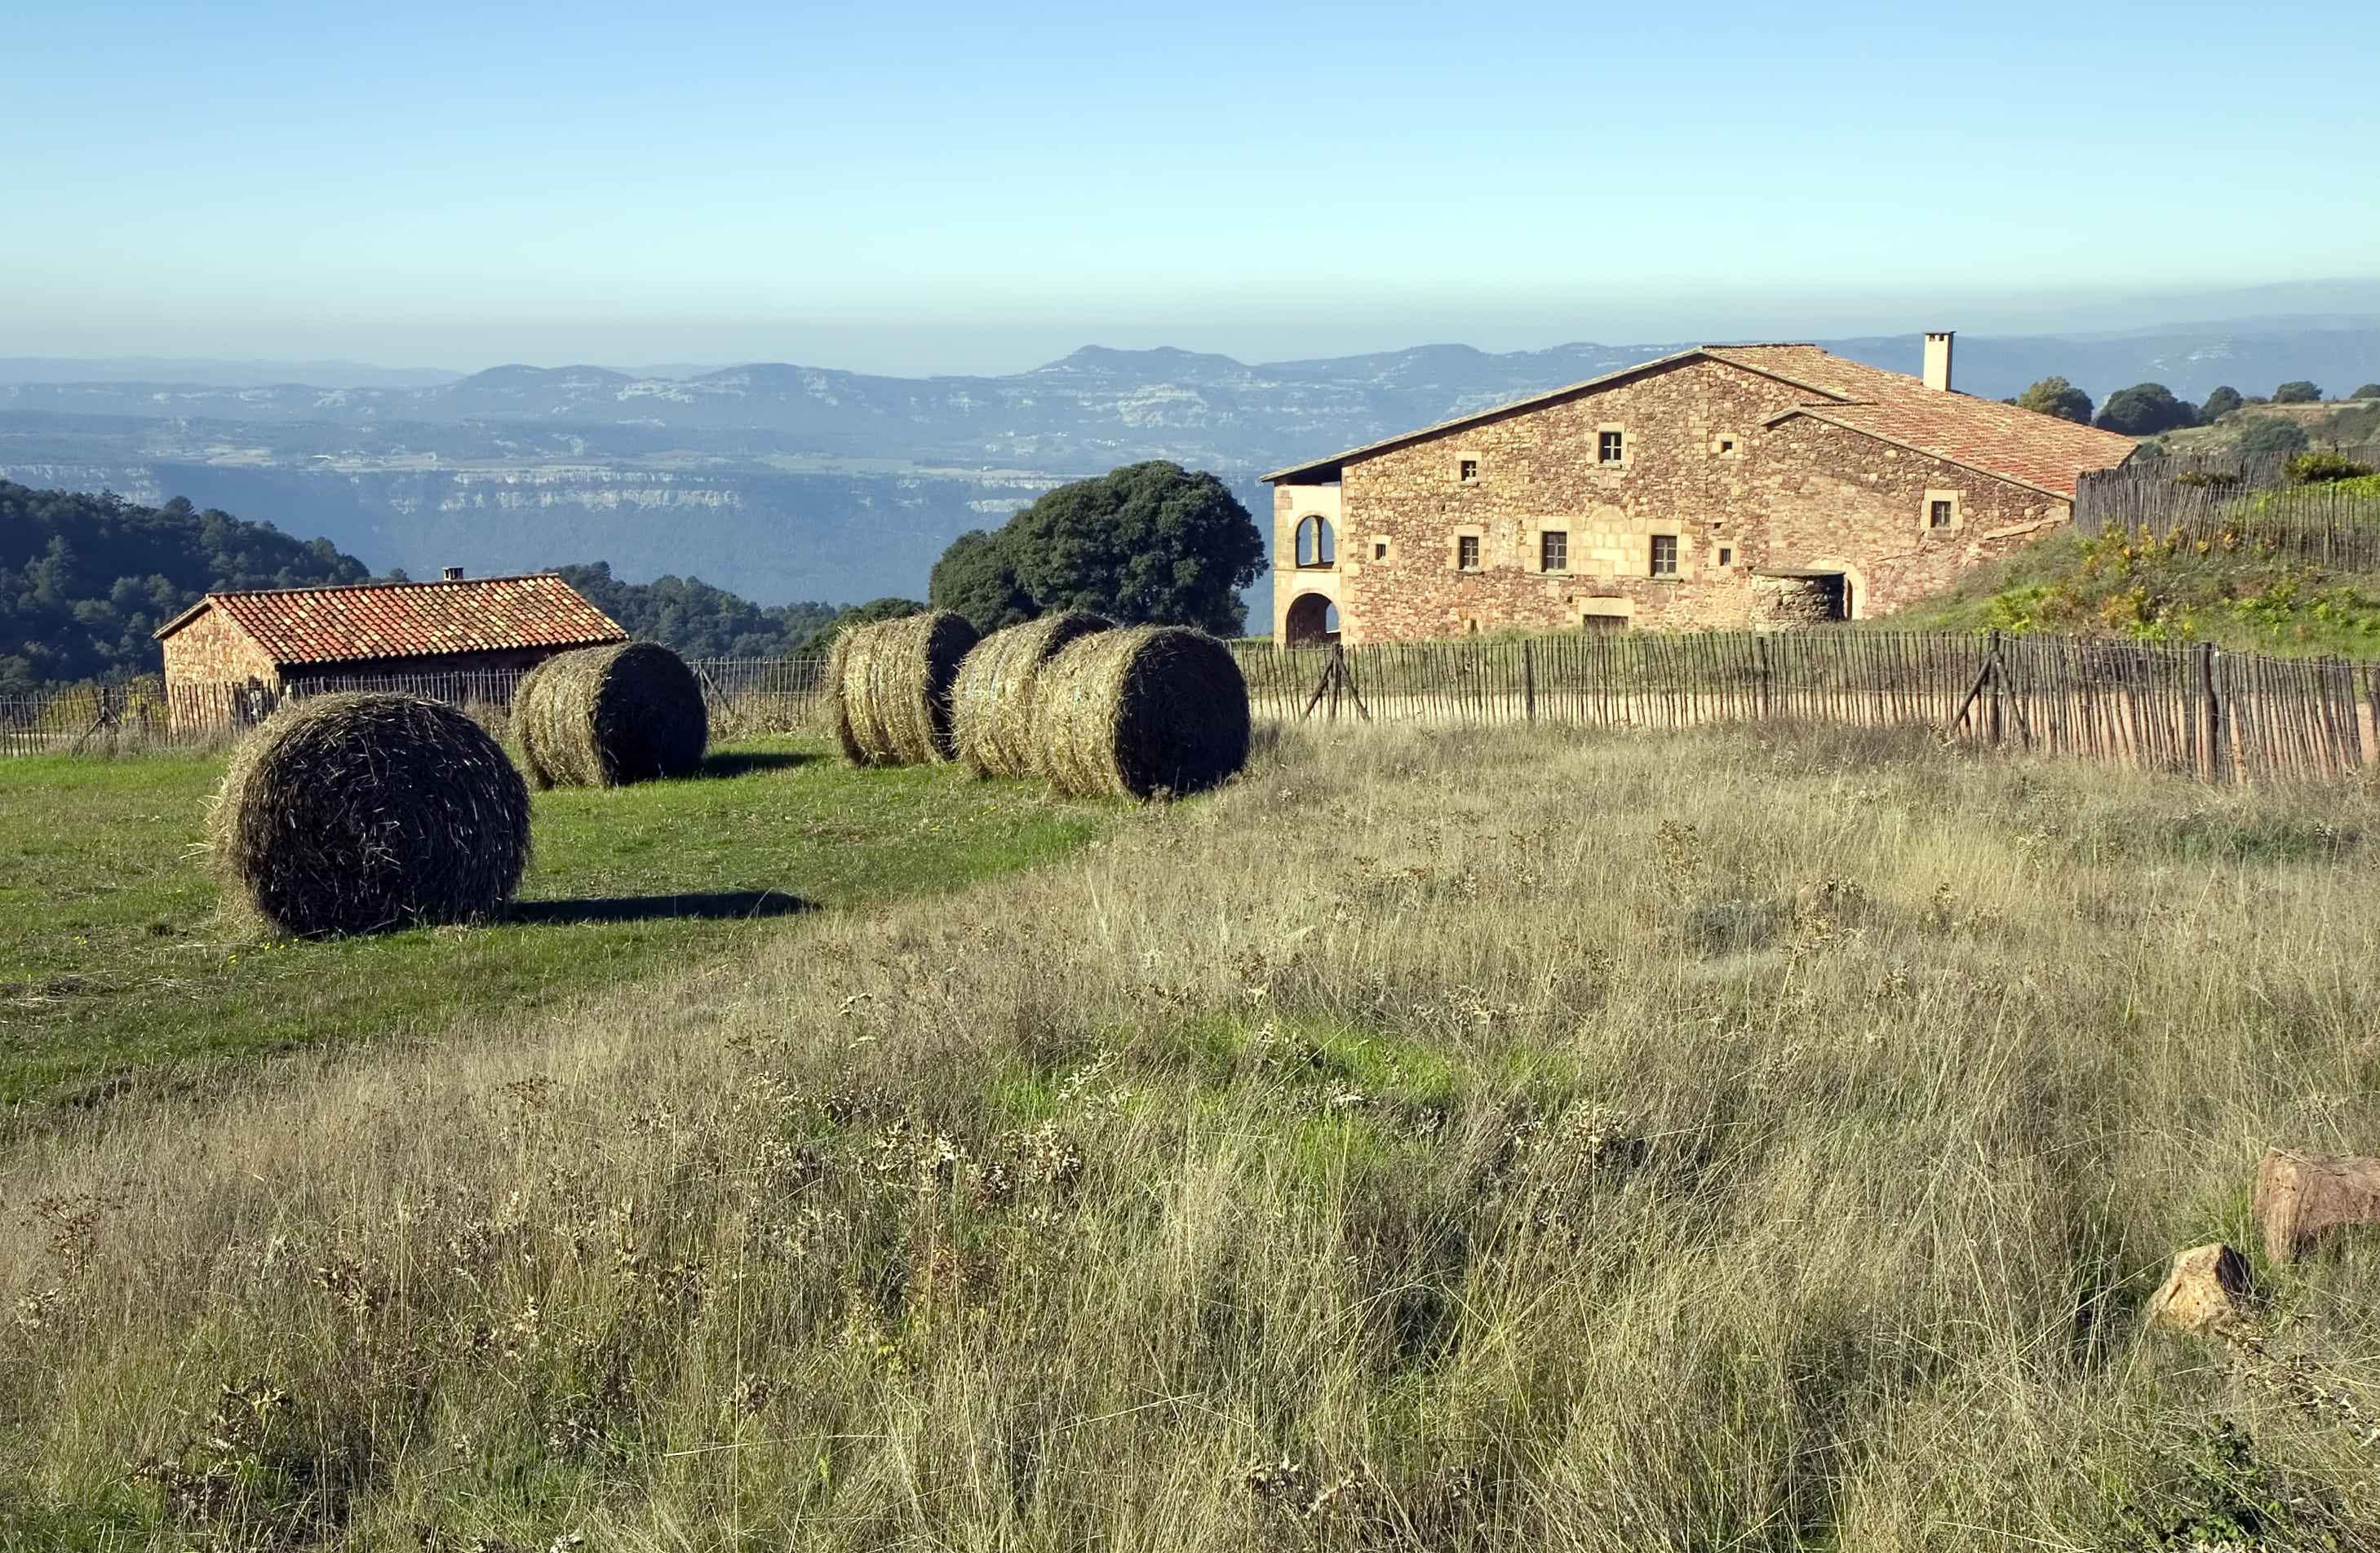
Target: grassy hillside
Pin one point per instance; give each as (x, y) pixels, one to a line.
(115, 970)
(1734, 1140)
(2227, 589)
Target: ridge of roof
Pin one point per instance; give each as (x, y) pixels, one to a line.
(2003, 441)
(1477, 417)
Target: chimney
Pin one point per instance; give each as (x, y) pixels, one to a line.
(454, 574)
(1937, 360)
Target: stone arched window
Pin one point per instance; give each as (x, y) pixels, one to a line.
(1316, 546)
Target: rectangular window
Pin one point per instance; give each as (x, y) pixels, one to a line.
(1467, 552)
(1939, 514)
(1609, 447)
(1727, 445)
(1726, 556)
(1379, 550)
(1553, 551)
(1470, 471)
(1665, 555)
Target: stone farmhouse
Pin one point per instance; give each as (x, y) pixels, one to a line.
(1764, 485)
(235, 653)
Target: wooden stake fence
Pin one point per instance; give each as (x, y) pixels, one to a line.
(2167, 707)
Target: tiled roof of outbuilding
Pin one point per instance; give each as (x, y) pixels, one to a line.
(2040, 451)
(412, 619)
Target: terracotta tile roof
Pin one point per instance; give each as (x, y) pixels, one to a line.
(2040, 451)
(2000, 439)
(412, 619)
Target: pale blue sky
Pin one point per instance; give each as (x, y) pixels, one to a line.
(934, 187)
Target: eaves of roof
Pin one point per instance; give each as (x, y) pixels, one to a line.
(183, 619)
(356, 623)
(1480, 418)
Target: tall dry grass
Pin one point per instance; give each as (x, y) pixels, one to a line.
(1712, 1141)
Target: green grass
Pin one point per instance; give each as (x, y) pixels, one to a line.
(115, 962)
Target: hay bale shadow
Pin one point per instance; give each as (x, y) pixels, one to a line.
(726, 905)
(743, 762)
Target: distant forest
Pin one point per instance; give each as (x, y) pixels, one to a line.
(85, 581)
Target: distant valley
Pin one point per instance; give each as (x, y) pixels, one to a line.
(785, 484)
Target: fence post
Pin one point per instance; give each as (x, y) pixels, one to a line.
(2215, 731)
(1760, 671)
(1999, 678)
(1528, 685)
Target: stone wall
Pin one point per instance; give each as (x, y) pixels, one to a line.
(1698, 467)
(1790, 603)
(211, 649)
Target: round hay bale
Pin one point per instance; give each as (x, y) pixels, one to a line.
(607, 716)
(992, 704)
(367, 811)
(1139, 713)
(891, 685)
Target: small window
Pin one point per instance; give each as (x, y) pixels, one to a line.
(1553, 551)
(1727, 445)
(1726, 556)
(1470, 468)
(1665, 555)
(1937, 515)
(1316, 544)
(1467, 552)
(1611, 447)
(1379, 550)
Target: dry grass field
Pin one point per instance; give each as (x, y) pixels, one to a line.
(1733, 1140)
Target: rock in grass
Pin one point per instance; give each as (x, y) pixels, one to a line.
(2208, 1288)
(890, 689)
(991, 703)
(363, 812)
(2302, 1198)
(607, 716)
(1143, 712)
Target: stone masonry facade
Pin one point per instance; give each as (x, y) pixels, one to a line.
(1676, 496)
(212, 650)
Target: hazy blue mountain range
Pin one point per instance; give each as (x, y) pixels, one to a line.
(784, 482)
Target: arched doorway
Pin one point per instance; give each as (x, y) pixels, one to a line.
(1313, 621)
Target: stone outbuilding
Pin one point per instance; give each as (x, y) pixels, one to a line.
(247, 649)
(1768, 485)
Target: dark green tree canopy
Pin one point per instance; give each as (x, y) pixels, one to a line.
(2144, 409)
(974, 577)
(2298, 393)
(2273, 433)
(695, 619)
(2220, 403)
(2369, 391)
(1148, 544)
(2057, 396)
(84, 579)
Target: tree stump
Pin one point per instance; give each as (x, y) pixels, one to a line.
(2302, 1198)
(2207, 1289)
